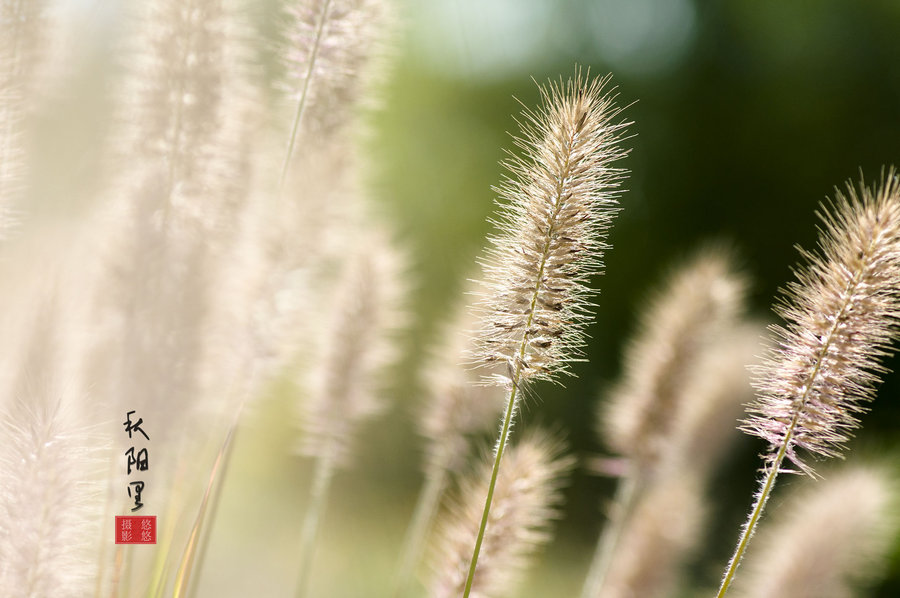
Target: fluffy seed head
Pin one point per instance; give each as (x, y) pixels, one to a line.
(829, 537)
(23, 36)
(357, 344)
(841, 316)
(329, 50)
(697, 307)
(48, 496)
(557, 206)
(718, 391)
(176, 90)
(184, 102)
(526, 499)
(175, 209)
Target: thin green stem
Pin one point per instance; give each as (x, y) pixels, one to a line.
(501, 444)
(628, 492)
(755, 513)
(324, 471)
(304, 93)
(426, 506)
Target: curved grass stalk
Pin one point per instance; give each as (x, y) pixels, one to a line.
(193, 551)
(119, 568)
(755, 513)
(304, 92)
(628, 493)
(423, 516)
(160, 567)
(501, 444)
(107, 515)
(324, 472)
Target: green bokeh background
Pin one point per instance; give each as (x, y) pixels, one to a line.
(741, 129)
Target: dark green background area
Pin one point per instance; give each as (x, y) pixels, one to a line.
(774, 105)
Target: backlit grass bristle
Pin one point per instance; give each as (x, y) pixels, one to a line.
(822, 367)
(23, 37)
(329, 50)
(841, 317)
(556, 208)
(527, 499)
(49, 496)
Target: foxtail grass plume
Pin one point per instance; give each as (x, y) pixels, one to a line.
(329, 51)
(185, 88)
(292, 247)
(560, 201)
(23, 26)
(357, 343)
(557, 206)
(176, 206)
(168, 233)
(47, 533)
(842, 315)
(664, 398)
(718, 390)
(828, 540)
(700, 303)
(527, 498)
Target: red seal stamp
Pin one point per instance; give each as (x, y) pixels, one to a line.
(140, 529)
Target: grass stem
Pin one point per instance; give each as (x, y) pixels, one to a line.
(501, 444)
(194, 551)
(304, 93)
(324, 471)
(755, 513)
(426, 507)
(628, 492)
